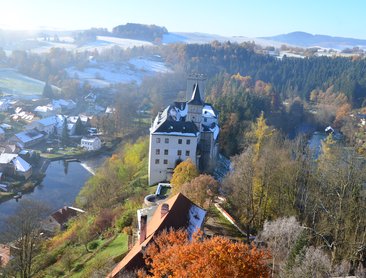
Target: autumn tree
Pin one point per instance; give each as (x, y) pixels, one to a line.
(201, 190)
(183, 173)
(173, 254)
(338, 203)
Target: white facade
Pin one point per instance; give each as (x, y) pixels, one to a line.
(166, 151)
(178, 133)
(91, 143)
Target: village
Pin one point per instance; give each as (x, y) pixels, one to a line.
(35, 132)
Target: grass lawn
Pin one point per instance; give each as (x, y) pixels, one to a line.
(117, 247)
(217, 224)
(15, 83)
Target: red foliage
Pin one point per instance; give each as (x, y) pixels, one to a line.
(173, 255)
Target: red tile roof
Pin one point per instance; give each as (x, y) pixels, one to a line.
(176, 218)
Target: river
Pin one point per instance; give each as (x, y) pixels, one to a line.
(60, 186)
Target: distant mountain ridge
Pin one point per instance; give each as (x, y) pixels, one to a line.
(304, 39)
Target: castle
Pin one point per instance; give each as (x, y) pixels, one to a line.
(183, 130)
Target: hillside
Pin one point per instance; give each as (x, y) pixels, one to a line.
(304, 39)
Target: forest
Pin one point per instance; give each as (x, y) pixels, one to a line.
(307, 210)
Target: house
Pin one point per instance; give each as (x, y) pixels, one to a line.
(27, 138)
(13, 165)
(183, 130)
(47, 110)
(57, 221)
(91, 143)
(64, 104)
(176, 213)
(48, 125)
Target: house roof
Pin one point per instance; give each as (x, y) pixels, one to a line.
(53, 120)
(28, 135)
(182, 214)
(21, 165)
(196, 96)
(64, 214)
(6, 158)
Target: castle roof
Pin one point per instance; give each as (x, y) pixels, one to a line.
(196, 96)
(171, 122)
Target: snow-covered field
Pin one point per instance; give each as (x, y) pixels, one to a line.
(101, 43)
(104, 75)
(202, 38)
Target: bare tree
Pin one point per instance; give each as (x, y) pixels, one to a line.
(22, 231)
(280, 235)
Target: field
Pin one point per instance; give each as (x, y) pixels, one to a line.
(14, 83)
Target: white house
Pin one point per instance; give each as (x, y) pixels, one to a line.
(183, 130)
(91, 143)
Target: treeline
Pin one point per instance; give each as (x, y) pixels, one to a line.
(136, 31)
(274, 178)
(289, 76)
(241, 99)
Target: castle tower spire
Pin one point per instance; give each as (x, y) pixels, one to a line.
(195, 106)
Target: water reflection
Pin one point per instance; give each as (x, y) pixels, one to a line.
(60, 187)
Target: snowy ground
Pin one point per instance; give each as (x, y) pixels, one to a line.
(104, 75)
(102, 43)
(202, 38)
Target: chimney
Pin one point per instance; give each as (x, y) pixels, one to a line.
(143, 227)
(164, 210)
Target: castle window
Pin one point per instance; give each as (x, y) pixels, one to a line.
(157, 151)
(166, 140)
(166, 152)
(187, 153)
(157, 140)
(188, 141)
(179, 152)
(165, 161)
(157, 161)
(180, 141)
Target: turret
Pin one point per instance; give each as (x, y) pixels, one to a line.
(195, 106)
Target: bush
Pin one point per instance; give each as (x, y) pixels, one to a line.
(93, 245)
(125, 220)
(79, 267)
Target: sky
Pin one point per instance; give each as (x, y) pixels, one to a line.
(249, 18)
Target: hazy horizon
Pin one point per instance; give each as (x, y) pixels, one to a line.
(230, 18)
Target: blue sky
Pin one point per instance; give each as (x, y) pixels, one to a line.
(224, 17)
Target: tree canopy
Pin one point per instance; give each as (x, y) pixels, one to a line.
(173, 255)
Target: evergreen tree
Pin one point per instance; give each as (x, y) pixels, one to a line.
(47, 91)
(65, 134)
(79, 128)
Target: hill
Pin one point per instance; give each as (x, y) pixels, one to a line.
(304, 39)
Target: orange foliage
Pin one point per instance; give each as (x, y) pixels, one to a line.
(174, 255)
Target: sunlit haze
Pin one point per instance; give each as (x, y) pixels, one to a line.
(239, 18)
